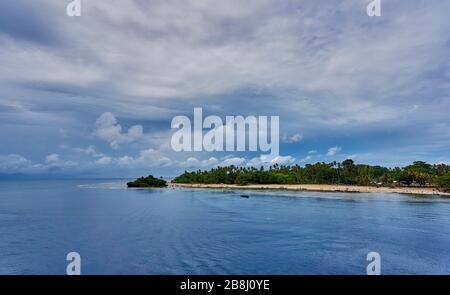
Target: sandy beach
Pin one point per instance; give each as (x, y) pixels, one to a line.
(322, 188)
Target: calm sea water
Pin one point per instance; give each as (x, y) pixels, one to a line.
(187, 231)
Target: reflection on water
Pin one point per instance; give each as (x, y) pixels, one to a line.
(195, 231)
(105, 185)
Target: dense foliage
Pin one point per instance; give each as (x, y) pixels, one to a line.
(418, 174)
(148, 181)
(443, 182)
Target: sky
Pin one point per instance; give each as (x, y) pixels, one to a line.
(94, 95)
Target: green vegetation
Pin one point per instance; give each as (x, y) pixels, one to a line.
(148, 181)
(443, 182)
(348, 173)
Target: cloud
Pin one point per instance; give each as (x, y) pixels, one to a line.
(306, 48)
(267, 160)
(305, 159)
(292, 138)
(151, 158)
(107, 128)
(14, 163)
(54, 162)
(146, 158)
(125, 161)
(193, 162)
(322, 66)
(154, 158)
(53, 158)
(333, 151)
(90, 150)
(280, 160)
(236, 161)
(311, 152)
(212, 161)
(104, 161)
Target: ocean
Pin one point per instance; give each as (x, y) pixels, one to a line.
(204, 231)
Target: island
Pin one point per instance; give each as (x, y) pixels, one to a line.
(145, 182)
(417, 178)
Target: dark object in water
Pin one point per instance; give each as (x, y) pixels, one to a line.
(245, 196)
(148, 181)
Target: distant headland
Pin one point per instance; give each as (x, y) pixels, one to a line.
(419, 177)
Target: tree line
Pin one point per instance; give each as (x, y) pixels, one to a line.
(148, 181)
(348, 173)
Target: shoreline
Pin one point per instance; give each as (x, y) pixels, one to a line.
(429, 191)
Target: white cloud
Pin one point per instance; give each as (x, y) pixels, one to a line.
(107, 128)
(14, 163)
(266, 160)
(125, 161)
(192, 162)
(157, 158)
(282, 160)
(154, 158)
(305, 159)
(90, 150)
(146, 158)
(312, 152)
(54, 161)
(333, 151)
(236, 161)
(212, 161)
(53, 158)
(292, 138)
(104, 161)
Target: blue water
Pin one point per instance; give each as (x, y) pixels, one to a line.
(195, 231)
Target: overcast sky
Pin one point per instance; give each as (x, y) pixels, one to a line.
(94, 96)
